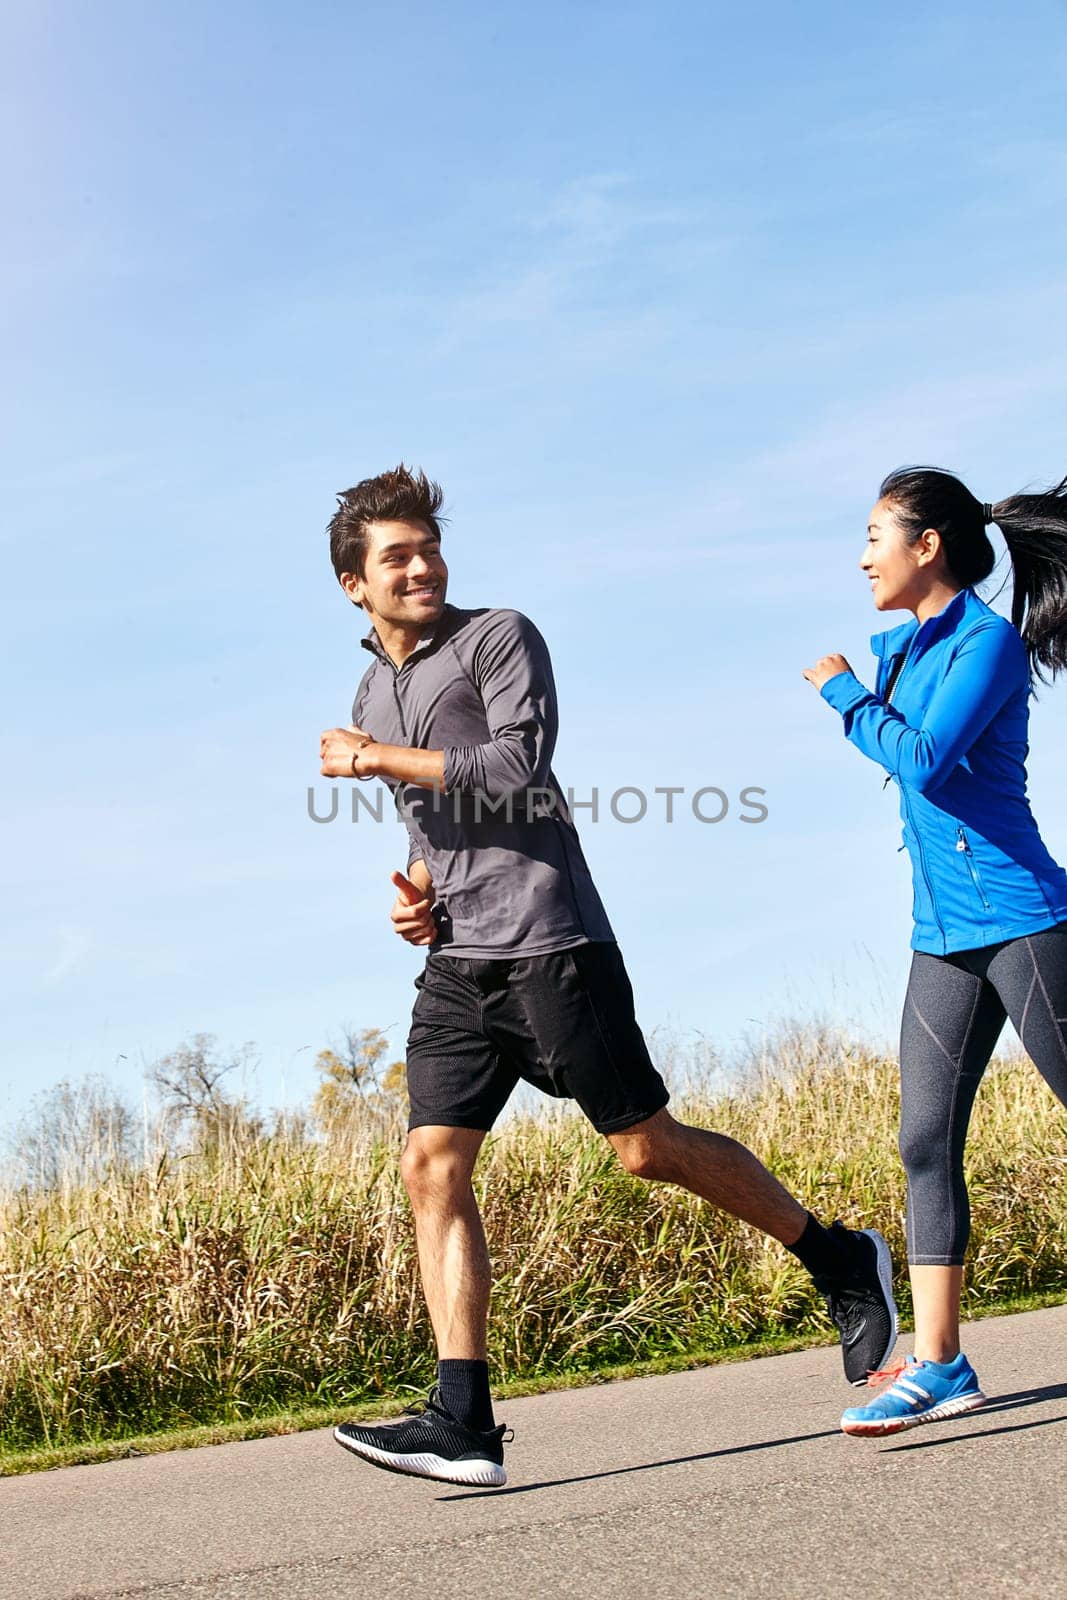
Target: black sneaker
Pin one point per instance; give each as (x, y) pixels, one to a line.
(430, 1443)
(862, 1305)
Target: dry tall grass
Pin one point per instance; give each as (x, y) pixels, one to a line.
(280, 1272)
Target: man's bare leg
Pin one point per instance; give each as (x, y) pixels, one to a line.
(453, 1438)
(437, 1166)
(716, 1168)
(851, 1269)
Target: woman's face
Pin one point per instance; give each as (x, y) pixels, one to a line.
(894, 568)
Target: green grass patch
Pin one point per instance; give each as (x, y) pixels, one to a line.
(287, 1422)
(271, 1283)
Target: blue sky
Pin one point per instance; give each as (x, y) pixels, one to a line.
(659, 294)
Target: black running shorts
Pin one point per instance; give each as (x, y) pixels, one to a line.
(563, 1022)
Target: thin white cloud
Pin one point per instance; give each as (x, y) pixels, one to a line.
(74, 948)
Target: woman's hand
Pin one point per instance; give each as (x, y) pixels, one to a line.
(825, 668)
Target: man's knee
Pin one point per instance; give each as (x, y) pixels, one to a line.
(644, 1161)
(647, 1150)
(435, 1167)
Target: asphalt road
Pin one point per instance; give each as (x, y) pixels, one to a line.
(731, 1481)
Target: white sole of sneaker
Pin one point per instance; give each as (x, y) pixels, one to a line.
(885, 1281)
(478, 1474)
(949, 1408)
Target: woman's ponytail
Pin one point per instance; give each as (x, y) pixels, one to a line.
(1035, 531)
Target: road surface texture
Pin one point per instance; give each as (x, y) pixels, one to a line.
(729, 1481)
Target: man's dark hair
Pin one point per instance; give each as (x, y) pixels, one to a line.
(397, 496)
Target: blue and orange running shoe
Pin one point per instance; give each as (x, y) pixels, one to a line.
(921, 1391)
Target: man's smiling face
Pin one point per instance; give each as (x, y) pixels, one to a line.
(404, 576)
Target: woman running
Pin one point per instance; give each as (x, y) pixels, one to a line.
(948, 722)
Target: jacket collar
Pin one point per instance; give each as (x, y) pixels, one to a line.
(442, 629)
(895, 641)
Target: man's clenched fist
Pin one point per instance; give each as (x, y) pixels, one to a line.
(346, 753)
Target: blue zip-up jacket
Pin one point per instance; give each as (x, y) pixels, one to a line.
(954, 736)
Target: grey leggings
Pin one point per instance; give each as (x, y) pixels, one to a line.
(954, 1011)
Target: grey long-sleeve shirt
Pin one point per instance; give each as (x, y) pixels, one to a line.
(500, 845)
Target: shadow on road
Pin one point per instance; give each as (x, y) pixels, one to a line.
(998, 1403)
(1025, 1397)
(647, 1466)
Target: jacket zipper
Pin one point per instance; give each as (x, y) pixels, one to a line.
(399, 706)
(892, 678)
(963, 844)
(893, 675)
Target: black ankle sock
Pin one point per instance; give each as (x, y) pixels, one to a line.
(465, 1391)
(826, 1252)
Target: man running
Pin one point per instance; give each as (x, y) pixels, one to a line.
(523, 978)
